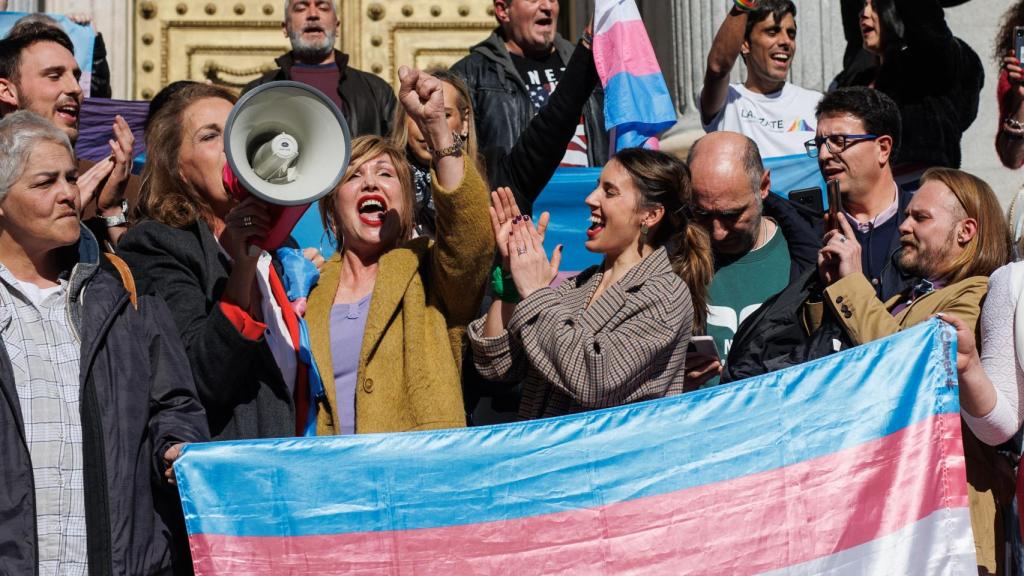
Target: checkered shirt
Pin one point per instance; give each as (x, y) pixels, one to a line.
(44, 353)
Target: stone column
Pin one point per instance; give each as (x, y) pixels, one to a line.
(114, 21)
(22, 5)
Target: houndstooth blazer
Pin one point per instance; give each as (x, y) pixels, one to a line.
(628, 345)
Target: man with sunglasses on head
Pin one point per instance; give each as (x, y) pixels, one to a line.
(857, 137)
(754, 234)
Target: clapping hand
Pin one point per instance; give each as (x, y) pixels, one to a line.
(531, 269)
(106, 181)
(504, 210)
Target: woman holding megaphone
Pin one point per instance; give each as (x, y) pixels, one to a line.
(191, 246)
(387, 318)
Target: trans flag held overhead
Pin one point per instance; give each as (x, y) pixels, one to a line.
(851, 464)
(637, 105)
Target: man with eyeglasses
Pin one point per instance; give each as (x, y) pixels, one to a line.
(754, 235)
(857, 136)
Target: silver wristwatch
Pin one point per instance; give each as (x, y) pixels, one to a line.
(119, 220)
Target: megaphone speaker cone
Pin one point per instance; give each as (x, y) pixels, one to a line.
(288, 145)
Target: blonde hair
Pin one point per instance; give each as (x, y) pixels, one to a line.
(990, 247)
(364, 149)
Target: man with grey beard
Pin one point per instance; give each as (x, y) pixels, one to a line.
(366, 101)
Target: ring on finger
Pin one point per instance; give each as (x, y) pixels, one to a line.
(521, 250)
(842, 238)
(247, 221)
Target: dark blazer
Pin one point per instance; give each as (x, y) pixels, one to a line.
(136, 400)
(238, 380)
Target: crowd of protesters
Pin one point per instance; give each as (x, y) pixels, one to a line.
(129, 331)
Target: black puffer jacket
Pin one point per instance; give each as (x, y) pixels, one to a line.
(934, 78)
(502, 104)
(369, 101)
(137, 399)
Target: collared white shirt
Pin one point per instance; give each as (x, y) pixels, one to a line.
(45, 353)
(276, 333)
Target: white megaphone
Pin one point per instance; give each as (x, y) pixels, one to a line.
(288, 145)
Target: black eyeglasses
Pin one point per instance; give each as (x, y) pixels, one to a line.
(836, 143)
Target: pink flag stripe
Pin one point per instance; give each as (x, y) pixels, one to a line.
(771, 520)
(619, 50)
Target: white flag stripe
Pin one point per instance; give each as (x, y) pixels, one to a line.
(607, 13)
(941, 543)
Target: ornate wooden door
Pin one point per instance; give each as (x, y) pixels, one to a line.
(231, 42)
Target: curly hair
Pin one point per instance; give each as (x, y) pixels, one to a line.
(1014, 16)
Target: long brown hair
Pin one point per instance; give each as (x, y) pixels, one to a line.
(664, 179)
(364, 149)
(990, 247)
(165, 196)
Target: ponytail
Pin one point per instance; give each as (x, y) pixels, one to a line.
(689, 251)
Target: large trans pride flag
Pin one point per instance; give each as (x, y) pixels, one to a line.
(851, 464)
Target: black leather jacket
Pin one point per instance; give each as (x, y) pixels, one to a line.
(370, 102)
(502, 104)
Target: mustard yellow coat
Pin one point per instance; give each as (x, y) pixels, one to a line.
(425, 294)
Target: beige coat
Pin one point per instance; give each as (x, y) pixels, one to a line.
(865, 318)
(425, 295)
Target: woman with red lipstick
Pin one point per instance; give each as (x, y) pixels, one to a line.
(618, 332)
(905, 49)
(387, 319)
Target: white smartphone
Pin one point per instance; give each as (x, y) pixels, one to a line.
(703, 346)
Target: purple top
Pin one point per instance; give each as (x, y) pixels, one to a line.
(348, 321)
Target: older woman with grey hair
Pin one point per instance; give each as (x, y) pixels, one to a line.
(96, 395)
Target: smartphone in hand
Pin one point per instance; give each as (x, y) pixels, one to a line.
(835, 204)
(1018, 42)
(703, 346)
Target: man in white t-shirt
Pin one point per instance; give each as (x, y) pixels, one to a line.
(777, 115)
